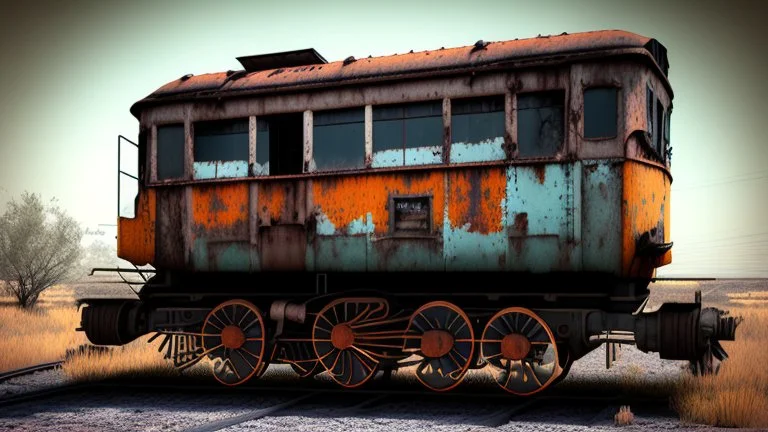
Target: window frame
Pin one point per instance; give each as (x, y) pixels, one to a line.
(154, 159)
(584, 109)
(392, 211)
(362, 165)
(404, 148)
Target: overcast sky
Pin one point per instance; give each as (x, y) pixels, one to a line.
(71, 70)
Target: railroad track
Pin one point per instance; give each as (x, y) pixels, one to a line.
(29, 370)
(321, 401)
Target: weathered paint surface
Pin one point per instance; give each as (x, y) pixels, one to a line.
(483, 151)
(645, 209)
(219, 169)
(601, 215)
(136, 237)
(538, 217)
(423, 155)
(388, 158)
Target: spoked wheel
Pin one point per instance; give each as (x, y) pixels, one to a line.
(521, 350)
(352, 335)
(234, 338)
(442, 334)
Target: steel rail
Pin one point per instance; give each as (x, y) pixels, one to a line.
(29, 370)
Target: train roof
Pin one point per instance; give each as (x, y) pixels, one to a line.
(306, 69)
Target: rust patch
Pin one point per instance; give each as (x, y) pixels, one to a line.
(136, 237)
(520, 226)
(515, 346)
(475, 198)
(541, 173)
(345, 199)
(436, 343)
(220, 206)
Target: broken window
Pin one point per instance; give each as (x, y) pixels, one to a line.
(601, 112)
(659, 128)
(649, 100)
(283, 134)
(262, 148)
(221, 149)
(408, 134)
(540, 123)
(170, 151)
(477, 129)
(339, 139)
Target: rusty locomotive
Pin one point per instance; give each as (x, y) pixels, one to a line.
(502, 205)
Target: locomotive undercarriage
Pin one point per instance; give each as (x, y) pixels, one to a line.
(353, 326)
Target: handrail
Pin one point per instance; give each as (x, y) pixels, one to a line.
(120, 140)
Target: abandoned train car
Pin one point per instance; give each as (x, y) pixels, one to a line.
(502, 205)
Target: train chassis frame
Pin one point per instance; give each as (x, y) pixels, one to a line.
(526, 344)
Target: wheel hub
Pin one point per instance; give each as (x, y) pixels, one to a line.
(436, 343)
(515, 346)
(232, 337)
(342, 336)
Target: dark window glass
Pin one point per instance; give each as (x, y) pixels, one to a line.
(600, 112)
(339, 139)
(225, 140)
(477, 120)
(659, 127)
(407, 126)
(540, 123)
(649, 109)
(262, 142)
(170, 151)
(667, 122)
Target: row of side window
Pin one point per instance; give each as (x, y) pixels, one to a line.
(403, 134)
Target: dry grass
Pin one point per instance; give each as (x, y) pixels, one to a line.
(47, 333)
(132, 360)
(738, 395)
(39, 335)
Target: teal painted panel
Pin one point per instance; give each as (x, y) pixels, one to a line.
(387, 158)
(601, 216)
(219, 169)
(404, 254)
(231, 256)
(424, 155)
(340, 253)
(466, 250)
(536, 255)
(538, 199)
(484, 151)
(200, 254)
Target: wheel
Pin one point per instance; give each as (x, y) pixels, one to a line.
(351, 335)
(307, 369)
(521, 350)
(234, 338)
(442, 334)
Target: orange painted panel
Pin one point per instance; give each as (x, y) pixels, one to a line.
(345, 199)
(476, 197)
(645, 207)
(220, 206)
(136, 237)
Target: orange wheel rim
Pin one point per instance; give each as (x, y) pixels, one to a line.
(519, 346)
(234, 337)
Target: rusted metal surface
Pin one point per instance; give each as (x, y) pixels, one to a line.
(645, 211)
(404, 65)
(136, 237)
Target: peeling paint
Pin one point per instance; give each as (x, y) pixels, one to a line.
(260, 170)
(220, 169)
(424, 155)
(360, 226)
(483, 151)
(324, 226)
(388, 158)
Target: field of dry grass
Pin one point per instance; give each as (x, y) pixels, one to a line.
(736, 397)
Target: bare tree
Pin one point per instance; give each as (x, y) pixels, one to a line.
(39, 247)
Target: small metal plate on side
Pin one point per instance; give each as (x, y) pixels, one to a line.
(411, 215)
